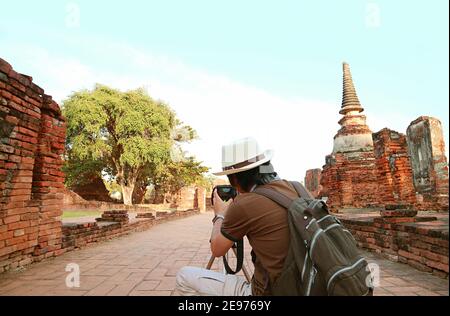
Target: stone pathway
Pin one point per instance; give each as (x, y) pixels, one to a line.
(146, 263)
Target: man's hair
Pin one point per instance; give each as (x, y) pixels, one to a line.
(247, 179)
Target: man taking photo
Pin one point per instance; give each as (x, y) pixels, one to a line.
(264, 222)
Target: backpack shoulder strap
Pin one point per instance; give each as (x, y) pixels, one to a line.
(275, 196)
(301, 190)
(282, 199)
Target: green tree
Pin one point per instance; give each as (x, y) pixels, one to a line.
(176, 175)
(126, 131)
(80, 172)
(179, 168)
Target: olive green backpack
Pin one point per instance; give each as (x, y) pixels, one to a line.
(323, 258)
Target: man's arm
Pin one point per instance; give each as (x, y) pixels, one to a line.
(219, 243)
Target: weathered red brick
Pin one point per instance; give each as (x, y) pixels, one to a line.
(16, 198)
(18, 225)
(11, 219)
(7, 250)
(16, 240)
(437, 265)
(6, 235)
(19, 232)
(419, 266)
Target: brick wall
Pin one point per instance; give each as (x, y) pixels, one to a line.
(419, 241)
(401, 169)
(186, 198)
(394, 173)
(32, 136)
(189, 197)
(350, 180)
(312, 181)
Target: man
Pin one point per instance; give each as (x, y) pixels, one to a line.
(263, 221)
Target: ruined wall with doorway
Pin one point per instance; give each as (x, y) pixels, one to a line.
(191, 197)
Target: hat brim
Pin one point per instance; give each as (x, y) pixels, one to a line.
(268, 154)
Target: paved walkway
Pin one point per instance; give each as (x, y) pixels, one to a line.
(146, 263)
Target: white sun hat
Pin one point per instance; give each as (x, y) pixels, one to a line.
(241, 155)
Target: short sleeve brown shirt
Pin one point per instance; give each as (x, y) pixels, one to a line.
(265, 224)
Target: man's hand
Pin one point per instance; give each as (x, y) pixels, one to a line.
(219, 244)
(220, 206)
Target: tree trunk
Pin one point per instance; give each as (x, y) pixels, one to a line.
(158, 197)
(139, 194)
(127, 193)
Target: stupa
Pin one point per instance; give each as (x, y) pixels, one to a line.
(349, 176)
(354, 134)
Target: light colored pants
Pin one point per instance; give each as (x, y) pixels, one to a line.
(194, 281)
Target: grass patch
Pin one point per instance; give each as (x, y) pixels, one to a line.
(74, 214)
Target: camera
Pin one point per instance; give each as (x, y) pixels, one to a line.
(225, 192)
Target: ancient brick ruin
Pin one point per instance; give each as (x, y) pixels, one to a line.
(393, 168)
(312, 181)
(378, 183)
(93, 190)
(32, 136)
(378, 169)
(426, 149)
(349, 175)
(192, 197)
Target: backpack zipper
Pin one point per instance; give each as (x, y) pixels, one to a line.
(313, 241)
(343, 270)
(304, 265)
(312, 277)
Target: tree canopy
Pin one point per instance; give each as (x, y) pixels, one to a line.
(127, 135)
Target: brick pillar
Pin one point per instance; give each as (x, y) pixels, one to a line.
(329, 182)
(186, 198)
(48, 179)
(426, 148)
(20, 103)
(394, 169)
(312, 181)
(201, 199)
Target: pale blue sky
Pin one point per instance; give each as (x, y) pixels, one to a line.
(290, 52)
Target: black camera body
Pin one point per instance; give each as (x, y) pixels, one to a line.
(225, 192)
